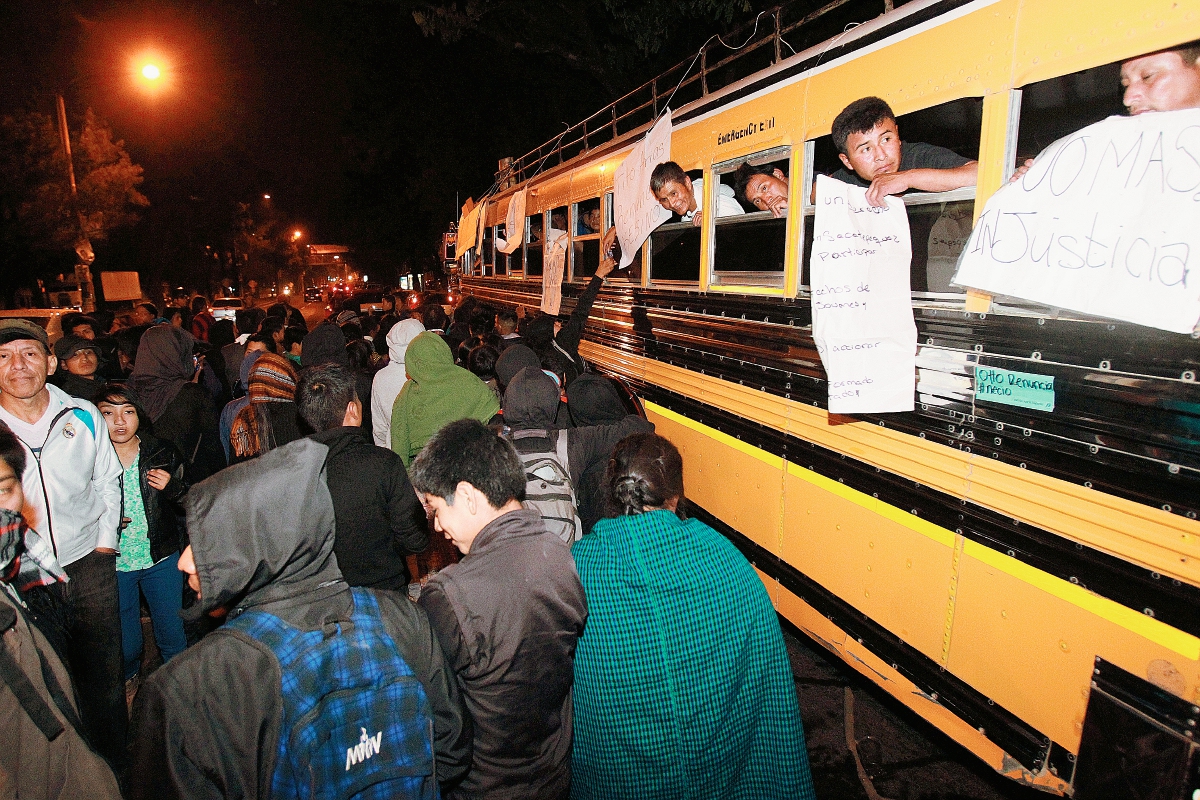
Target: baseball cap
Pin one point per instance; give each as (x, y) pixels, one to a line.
(13, 329)
(69, 345)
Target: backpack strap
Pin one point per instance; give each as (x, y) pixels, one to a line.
(34, 705)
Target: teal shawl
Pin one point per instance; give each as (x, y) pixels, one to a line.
(683, 687)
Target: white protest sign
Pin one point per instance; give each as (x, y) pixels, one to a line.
(1104, 222)
(514, 223)
(552, 275)
(468, 229)
(862, 308)
(636, 211)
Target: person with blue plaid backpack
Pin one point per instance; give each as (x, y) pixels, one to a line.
(311, 688)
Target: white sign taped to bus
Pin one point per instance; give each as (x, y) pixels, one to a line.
(636, 211)
(862, 307)
(1104, 222)
(514, 224)
(552, 275)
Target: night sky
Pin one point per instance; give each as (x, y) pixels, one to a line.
(359, 125)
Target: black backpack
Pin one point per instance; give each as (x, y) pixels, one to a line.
(548, 486)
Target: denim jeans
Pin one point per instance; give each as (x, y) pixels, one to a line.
(162, 585)
(94, 652)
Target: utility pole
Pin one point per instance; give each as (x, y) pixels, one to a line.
(83, 246)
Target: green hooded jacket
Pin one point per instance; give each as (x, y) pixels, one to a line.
(436, 393)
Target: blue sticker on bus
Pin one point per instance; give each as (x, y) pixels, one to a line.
(1010, 388)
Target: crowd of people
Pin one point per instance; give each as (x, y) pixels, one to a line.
(261, 493)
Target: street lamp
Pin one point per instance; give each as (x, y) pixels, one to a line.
(151, 72)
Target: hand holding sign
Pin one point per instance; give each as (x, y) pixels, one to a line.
(636, 210)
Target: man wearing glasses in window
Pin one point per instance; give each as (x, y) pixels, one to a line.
(873, 156)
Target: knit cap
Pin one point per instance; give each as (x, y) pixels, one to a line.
(272, 380)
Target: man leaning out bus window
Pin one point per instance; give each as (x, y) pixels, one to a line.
(868, 143)
(681, 195)
(1168, 80)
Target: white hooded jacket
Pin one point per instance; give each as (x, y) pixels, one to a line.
(390, 380)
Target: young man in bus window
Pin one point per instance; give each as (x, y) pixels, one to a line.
(679, 194)
(763, 186)
(868, 143)
(1168, 80)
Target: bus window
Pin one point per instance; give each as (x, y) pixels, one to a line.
(585, 245)
(534, 245)
(487, 252)
(749, 249)
(675, 245)
(939, 223)
(632, 273)
(501, 257)
(1053, 108)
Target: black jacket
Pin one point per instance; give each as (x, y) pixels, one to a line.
(190, 423)
(79, 387)
(508, 617)
(207, 724)
(379, 519)
(162, 507)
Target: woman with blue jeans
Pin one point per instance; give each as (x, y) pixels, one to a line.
(150, 534)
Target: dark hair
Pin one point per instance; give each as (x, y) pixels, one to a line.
(645, 470)
(221, 333)
(467, 450)
(248, 319)
(1190, 53)
(352, 331)
(433, 317)
(322, 395)
(279, 310)
(293, 334)
(667, 172)
(482, 321)
(358, 351)
(859, 117)
(507, 316)
(271, 325)
(11, 451)
(199, 303)
(745, 173)
(369, 325)
(184, 315)
(464, 309)
(70, 321)
(481, 361)
(128, 340)
(264, 338)
(118, 394)
(153, 309)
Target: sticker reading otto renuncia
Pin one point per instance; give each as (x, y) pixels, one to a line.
(1103, 223)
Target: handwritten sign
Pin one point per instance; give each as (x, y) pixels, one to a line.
(636, 211)
(514, 224)
(468, 229)
(1104, 222)
(552, 276)
(1023, 389)
(862, 308)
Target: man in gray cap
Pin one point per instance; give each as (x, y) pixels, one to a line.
(78, 361)
(72, 488)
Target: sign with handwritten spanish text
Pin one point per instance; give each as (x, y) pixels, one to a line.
(636, 211)
(514, 224)
(1104, 222)
(552, 276)
(1009, 388)
(862, 308)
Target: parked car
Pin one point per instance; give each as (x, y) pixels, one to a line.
(313, 294)
(226, 307)
(48, 318)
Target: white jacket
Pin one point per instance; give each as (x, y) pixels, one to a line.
(390, 380)
(78, 476)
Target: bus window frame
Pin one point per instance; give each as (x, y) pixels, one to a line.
(487, 250)
(496, 254)
(765, 283)
(573, 224)
(525, 245)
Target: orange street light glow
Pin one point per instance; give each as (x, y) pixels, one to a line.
(150, 72)
(296, 234)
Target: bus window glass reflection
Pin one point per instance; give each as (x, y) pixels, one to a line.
(534, 245)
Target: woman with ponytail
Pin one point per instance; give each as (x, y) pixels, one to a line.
(683, 687)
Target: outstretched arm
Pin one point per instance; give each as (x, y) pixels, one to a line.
(925, 180)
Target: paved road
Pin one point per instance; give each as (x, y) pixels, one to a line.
(313, 314)
(905, 757)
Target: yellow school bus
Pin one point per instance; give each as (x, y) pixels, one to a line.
(997, 569)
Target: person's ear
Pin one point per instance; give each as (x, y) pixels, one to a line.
(51, 364)
(846, 161)
(687, 182)
(466, 494)
(779, 174)
(353, 416)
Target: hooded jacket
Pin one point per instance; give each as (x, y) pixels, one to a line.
(390, 380)
(379, 519)
(46, 757)
(508, 617)
(437, 393)
(531, 402)
(207, 724)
